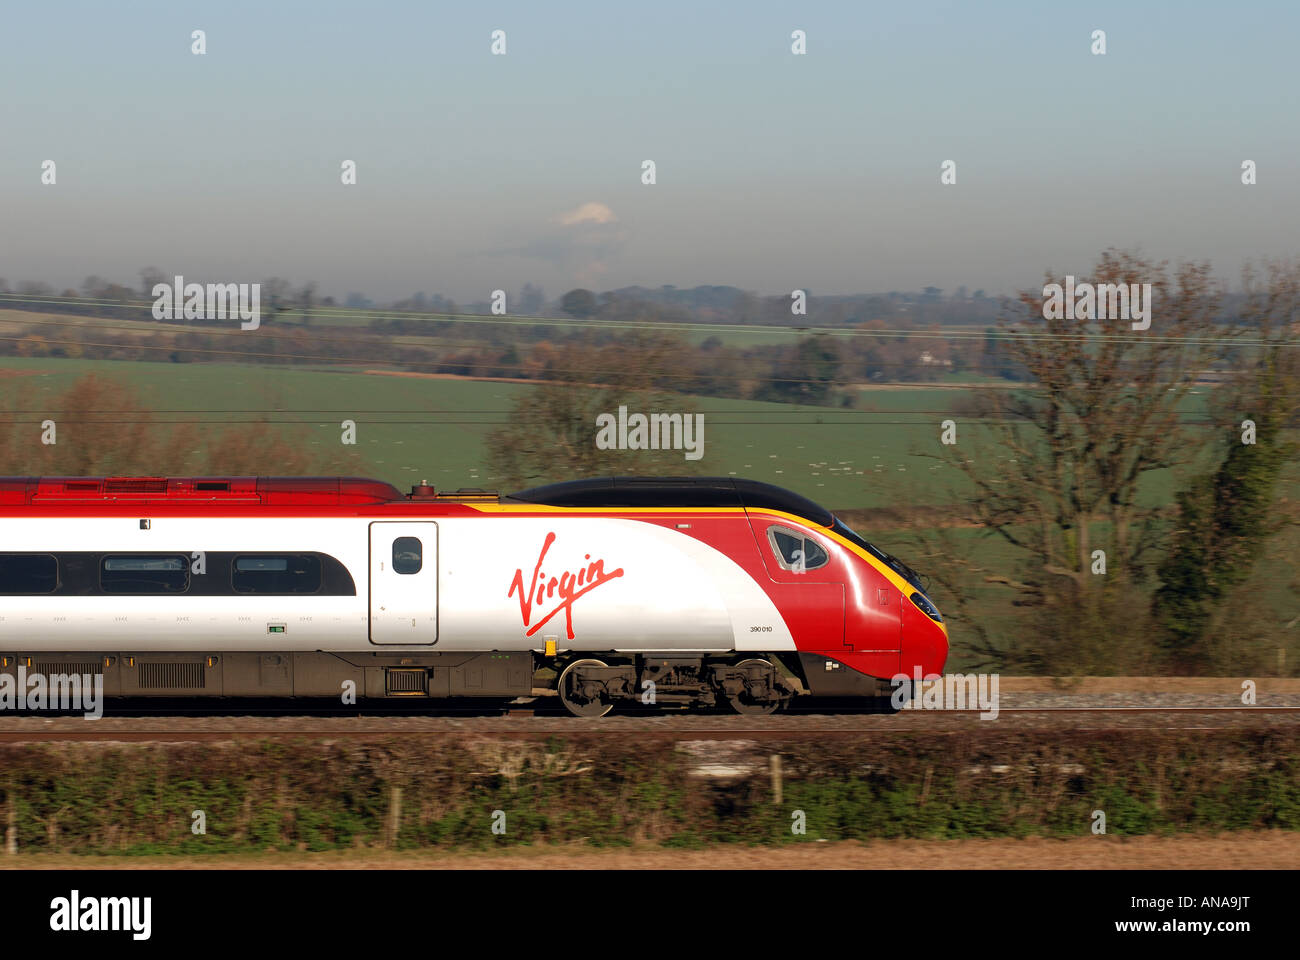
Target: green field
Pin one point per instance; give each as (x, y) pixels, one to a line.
(877, 454)
(880, 453)
(415, 428)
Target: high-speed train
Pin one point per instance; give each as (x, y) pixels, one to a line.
(681, 591)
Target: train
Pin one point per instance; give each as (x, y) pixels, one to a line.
(680, 591)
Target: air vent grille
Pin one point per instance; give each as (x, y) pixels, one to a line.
(51, 669)
(407, 682)
(171, 676)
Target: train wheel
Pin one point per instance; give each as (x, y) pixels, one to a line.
(742, 704)
(573, 701)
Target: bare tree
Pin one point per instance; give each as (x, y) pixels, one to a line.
(1056, 470)
(551, 433)
(101, 427)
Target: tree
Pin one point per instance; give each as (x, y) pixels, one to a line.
(550, 433)
(276, 296)
(149, 278)
(306, 298)
(1225, 516)
(579, 303)
(531, 300)
(103, 429)
(1055, 469)
(807, 375)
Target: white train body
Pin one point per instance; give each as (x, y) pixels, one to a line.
(671, 592)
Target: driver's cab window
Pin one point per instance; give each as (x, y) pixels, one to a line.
(794, 551)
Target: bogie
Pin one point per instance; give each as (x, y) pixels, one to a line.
(754, 686)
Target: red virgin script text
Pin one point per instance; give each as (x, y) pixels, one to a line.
(563, 589)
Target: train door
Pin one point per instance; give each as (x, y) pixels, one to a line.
(403, 582)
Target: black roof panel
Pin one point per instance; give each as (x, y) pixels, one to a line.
(674, 492)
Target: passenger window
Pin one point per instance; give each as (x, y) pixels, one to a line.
(408, 555)
(28, 573)
(796, 552)
(168, 574)
(284, 574)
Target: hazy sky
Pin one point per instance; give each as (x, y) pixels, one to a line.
(774, 171)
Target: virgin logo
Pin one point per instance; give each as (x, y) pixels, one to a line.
(563, 590)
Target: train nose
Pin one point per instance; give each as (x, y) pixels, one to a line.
(925, 637)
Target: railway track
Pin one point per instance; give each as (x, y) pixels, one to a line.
(526, 722)
(1170, 709)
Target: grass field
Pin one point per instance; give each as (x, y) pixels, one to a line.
(415, 428)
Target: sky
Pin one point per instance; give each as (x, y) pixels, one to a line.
(773, 171)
